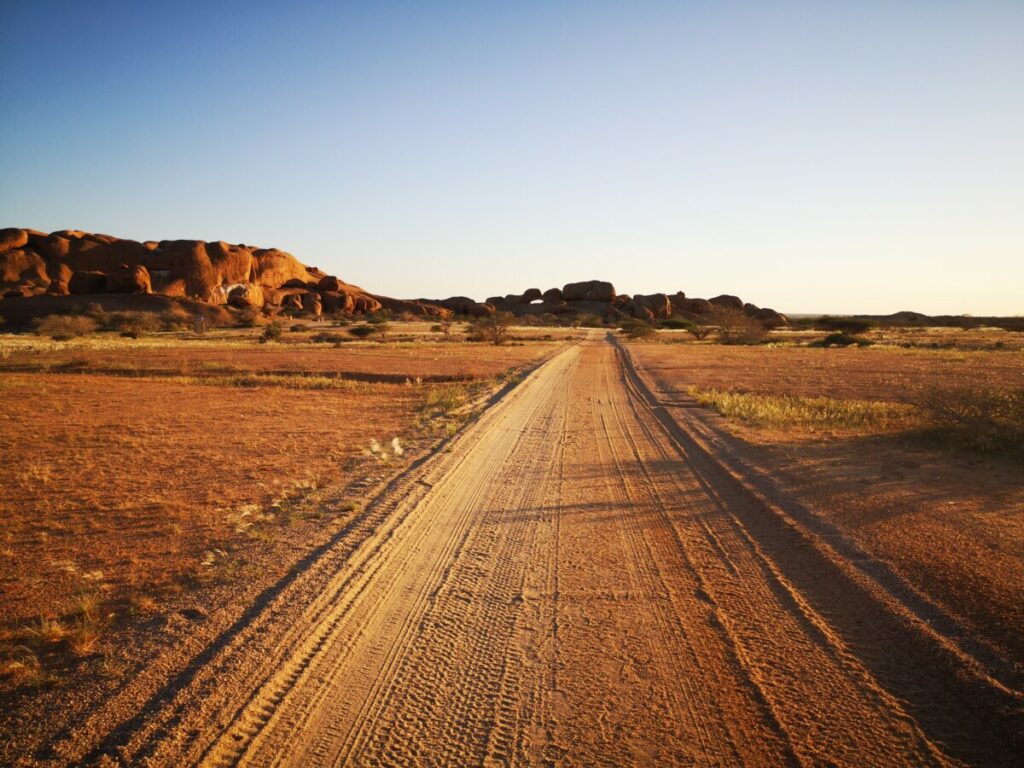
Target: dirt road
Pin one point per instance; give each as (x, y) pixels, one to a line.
(580, 579)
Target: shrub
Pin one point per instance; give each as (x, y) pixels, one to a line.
(493, 328)
(64, 327)
(984, 421)
(699, 330)
(637, 329)
(271, 332)
(379, 317)
(133, 324)
(849, 325)
(736, 327)
(326, 337)
(677, 323)
(838, 340)
(444, 327)
(363, 331)
(588, 320)
(249, 317)
(446, 398)
(299, 328)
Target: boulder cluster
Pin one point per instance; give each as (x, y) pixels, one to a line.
(597, 297)
(71, 262)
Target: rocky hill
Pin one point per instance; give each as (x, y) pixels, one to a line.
(75, 263)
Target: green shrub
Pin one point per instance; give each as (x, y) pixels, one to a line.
(64, 327)
(326, 337)
(271, 332)
(299, 328)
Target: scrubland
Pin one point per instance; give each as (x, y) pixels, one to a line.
(141, 476)
(861, 433)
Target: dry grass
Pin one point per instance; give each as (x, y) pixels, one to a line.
(175, 473)
(884, 374)
(779, 411)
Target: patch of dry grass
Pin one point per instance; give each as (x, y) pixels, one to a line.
(779, 411)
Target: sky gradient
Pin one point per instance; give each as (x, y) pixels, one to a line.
(812, 157)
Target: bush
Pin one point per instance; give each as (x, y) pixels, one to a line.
(271, 332)
(363, 331)
(133, 324)
(699, 330)
(249, 317)
(444, 327)
(677, 323)
(379, 317)
(493, 328)
(326, 337)
(984, 421)
(849, 325)
(64, 327)
(737, 327)
(637, 329)
(299, 328)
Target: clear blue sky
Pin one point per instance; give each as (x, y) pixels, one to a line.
(827, 156)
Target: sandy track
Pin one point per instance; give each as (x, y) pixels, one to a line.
(577, 582)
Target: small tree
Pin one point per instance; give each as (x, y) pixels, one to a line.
(271, 332)
(737, 327)
(699, 329)
(493, 328)
(444, 327)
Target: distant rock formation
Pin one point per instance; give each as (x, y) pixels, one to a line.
(598, 297)
(76, 263)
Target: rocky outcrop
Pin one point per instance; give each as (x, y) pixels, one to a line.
(129, 279)
(591, 290)
(597, 297)
(71, 261)
(241, 276)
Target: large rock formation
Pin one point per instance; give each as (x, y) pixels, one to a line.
(597, 297)
(72, 262)
(81, 263)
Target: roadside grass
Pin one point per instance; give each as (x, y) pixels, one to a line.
(808, 412)
(953, 417)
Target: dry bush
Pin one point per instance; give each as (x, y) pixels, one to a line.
(737, 327)
(977, 419)
(494, 328)
(445, 399)
(64, 327)
(133, 324)
(638, 330)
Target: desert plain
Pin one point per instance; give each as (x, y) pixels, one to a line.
(581, 546)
